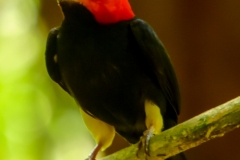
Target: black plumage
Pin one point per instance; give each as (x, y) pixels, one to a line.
(110, 70)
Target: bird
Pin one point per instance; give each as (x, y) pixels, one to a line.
(117, 70)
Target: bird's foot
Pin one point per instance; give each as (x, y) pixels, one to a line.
(90, 158)
(143, 146)
(94, 153)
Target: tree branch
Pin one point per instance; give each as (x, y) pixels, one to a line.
(191, 133)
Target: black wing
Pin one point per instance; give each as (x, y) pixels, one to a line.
(51, 58)
(159, 61)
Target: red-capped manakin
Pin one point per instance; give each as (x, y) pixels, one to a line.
(115, 67)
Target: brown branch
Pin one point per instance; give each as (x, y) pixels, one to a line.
(191, 133)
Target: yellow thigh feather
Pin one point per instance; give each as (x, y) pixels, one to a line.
(102, 132)
(153, 117)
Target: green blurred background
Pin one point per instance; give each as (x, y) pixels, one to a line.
(39, 121)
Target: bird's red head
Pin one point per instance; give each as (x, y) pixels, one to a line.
(109, 11)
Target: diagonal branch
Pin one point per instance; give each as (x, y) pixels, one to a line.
(191, 133)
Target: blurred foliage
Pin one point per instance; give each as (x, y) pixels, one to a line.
(38, 120)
